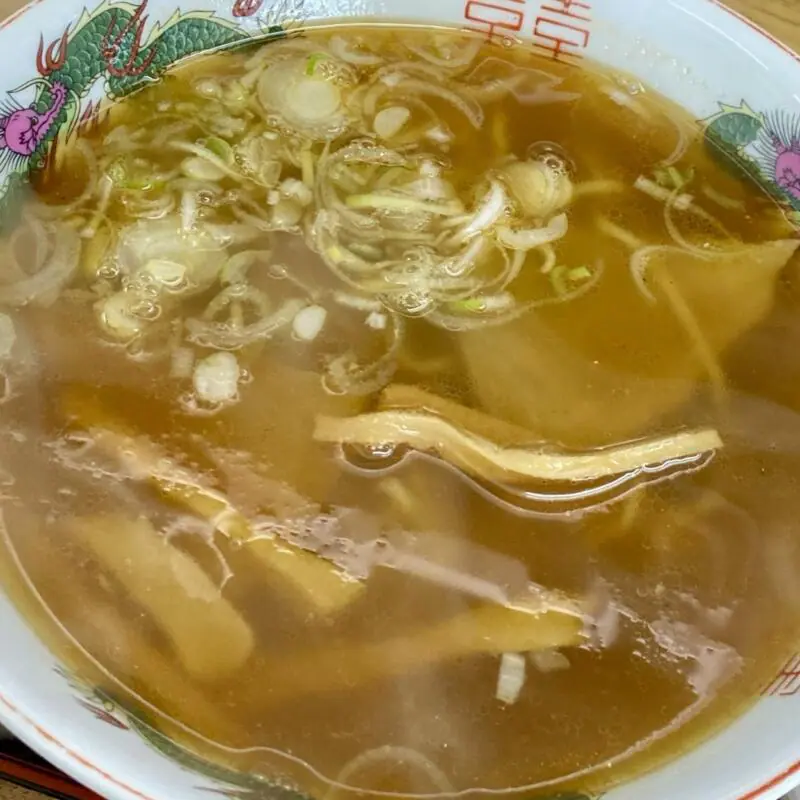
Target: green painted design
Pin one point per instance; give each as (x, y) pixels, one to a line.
(728, 132)
(107, 45)
(759, 146)
(232, 784)
(226, 782)
(110, 710)
(734, 127)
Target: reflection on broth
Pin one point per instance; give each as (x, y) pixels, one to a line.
(389, 411)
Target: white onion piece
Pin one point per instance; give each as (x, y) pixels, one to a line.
(309, 322)
(383, 201)
(216, 378)
(465, 261)
(313, 99)
(169, 275)
(200, 169)
(377, 321)
(233, 234)
(43, 287)
(549, 259)
(357, 302)
(470, 108)
(346, 376)
(209, 333)
(439, 134)
(390, 121)
(511, 678)
(237, 266)
(638, 265)
(310, 105)
(460, 62)
(396, 82)
(529, 238)
(117, 318)
(188, 211)
(540, 189)
(199, 250)
(206, 87)
(488, 213)
(286, 214)
(681, 145)
(296, 190)
(206, 155)
(339, 47)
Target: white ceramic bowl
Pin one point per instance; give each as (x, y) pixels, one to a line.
(727, 72)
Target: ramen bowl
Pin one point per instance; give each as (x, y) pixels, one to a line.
(732, 77)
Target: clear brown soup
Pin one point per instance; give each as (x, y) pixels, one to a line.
(328, 462)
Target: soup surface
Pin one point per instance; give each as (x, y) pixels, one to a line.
(389, 411)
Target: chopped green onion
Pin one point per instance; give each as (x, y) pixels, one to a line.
(486, 303)
(312, 61)
(117, 172)
(676, 178)
(220, 148)
(561, 277)
(579, 274)
(473, 304)
(671, 177)
(121, 178)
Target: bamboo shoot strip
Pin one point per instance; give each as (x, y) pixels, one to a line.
(173, 589)
(483, 458)
(488, 629)
(319, 584)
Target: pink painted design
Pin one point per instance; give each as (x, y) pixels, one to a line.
(787, 681)
(246, 8)
(103, 714)
(110, 48)
(787, 166)
(63, 751)
(24, 129)
(54, 56)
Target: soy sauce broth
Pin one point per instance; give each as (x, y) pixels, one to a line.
(136, 490)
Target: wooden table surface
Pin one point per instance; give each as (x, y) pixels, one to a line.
(780, 17)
